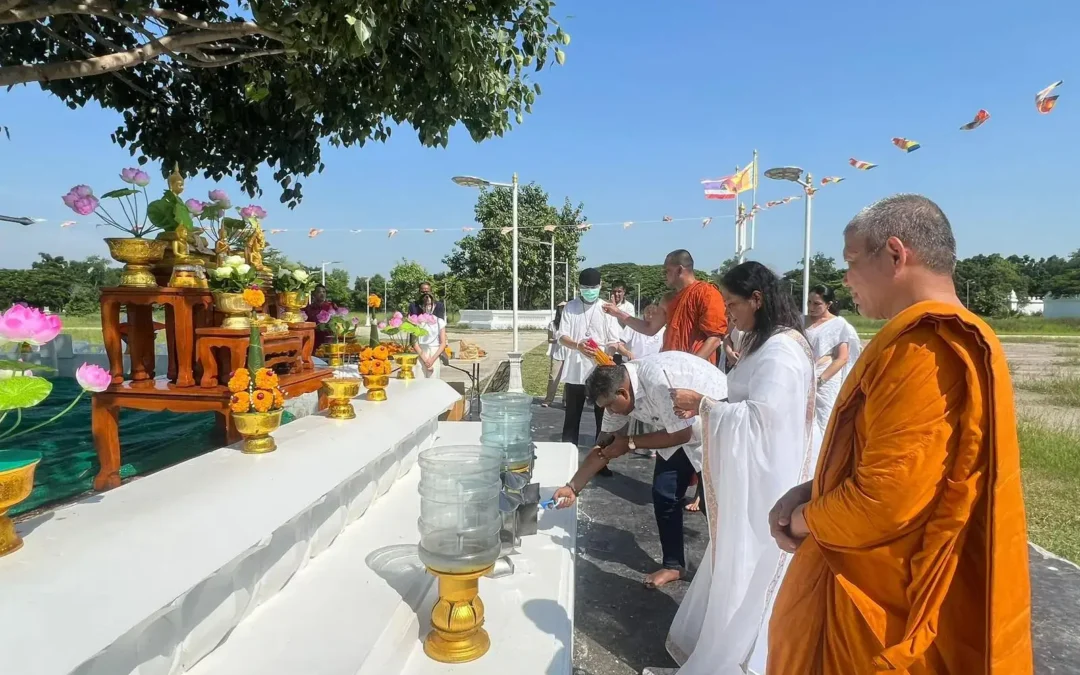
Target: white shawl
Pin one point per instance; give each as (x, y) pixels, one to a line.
(757, 446)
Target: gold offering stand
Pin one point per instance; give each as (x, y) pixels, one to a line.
(186, 254)
(457, 619)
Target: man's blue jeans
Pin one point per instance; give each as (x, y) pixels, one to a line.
(671, 477)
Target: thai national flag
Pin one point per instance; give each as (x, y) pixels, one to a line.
(720, 188)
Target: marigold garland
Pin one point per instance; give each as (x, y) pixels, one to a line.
(366, 354)
(266, 379)
(374, 301)
(240, 402)
(279, 399)
(380, 353)
(239, 381)
(254, 297)
(262, 400)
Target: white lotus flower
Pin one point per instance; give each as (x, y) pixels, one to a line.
(243, 269)
(234, 261)
(300, 275)
(223, 272)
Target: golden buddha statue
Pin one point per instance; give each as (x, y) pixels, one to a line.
(255, 245)
(176, 181)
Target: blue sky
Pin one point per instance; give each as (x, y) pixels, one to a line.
(655, 97)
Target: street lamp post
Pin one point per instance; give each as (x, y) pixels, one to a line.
(794, 174)
(487, 299)
(552, 279)
(367, 289)
(17, 221)
(324, 264)
(514, 356)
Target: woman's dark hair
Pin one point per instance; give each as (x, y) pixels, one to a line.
(827, 295)
(558, 317)
(318, 286)
(777, 311)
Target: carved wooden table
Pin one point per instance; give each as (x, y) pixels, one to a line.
(185, 310)
(306, 330)
(161, 395)
(225, 350)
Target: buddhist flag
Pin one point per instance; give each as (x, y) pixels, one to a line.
(746, 179)
(627, 224)
(467, 229)
(506, 230)
(906, 144)
(861, 165)
(788, 200)
(773, 202)
(980, 117)
(549, 228)
(584, 227)
(68, 223)
(831, 179)
(390, 234)
(356, 231)
(705, 222)
(1044, 102)
(720, 188)
(668, 219)
(428, 230)
(312, 233)
(277, 231)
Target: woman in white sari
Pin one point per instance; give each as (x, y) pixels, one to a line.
(757, 446)
(836, 347)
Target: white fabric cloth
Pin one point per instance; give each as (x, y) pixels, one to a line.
(431, 337)
(581, 321)
(651, 378)
(556, 350)
(824, 339)
(641, 345)
(436, 368)
(757, 447)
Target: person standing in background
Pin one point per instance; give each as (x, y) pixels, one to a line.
(618, 298)
(634, 346)
(583, 325)
(556, 356)
(432, 344)
(836, 348)
(415, 307)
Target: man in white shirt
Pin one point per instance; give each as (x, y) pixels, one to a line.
(583, 324)
(640, 390)
(618, 298)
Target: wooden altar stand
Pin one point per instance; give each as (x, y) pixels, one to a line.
(198, 354)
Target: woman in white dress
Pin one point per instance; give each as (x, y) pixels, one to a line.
(757, 446)
(836, 347)
(431, 345)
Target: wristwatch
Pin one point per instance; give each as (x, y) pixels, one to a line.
(631, 444)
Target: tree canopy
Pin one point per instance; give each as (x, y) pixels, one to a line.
(224, 88)
(483, 260)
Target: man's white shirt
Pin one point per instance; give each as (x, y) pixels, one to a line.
(581, 321)
(651, 378)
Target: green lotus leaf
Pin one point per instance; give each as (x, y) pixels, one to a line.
(23, 392)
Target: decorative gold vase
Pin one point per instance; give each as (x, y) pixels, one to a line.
(291, 303)
(16, 483)
(376, 386)
(256, 427)
(336, 350)
(457, 619)
(339, 392)
(406, 364)
(236, 310)
(138, 255)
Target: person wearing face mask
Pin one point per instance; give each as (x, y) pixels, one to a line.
(583, 324)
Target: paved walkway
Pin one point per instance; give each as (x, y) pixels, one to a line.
(495, 342)
(620, 626)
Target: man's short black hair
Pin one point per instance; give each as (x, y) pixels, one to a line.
(590, 276)
(618, 284)
(681, 257)
(604, 382)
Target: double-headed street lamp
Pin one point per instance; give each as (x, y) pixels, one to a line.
(324, 264)
(794, 174)
(18, 221)
(514, 356)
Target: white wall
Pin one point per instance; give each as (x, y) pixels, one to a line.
(503, 319)
(1061, 308)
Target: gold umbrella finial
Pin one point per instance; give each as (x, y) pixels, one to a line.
(176, 181)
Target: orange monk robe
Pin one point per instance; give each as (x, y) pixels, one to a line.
(917, 561)
(695, 314)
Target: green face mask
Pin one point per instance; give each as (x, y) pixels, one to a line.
(590, 294)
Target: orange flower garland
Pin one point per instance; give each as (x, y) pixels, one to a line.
(239, 381)
(266, 379)
(279, 399)
(262, 400)
(240, 402)
(380, 353)
(374, 301)
(254, 297)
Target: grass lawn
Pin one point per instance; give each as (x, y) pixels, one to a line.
(1061, 391)
(534, 371)
(1017, 325)
(1051, 475)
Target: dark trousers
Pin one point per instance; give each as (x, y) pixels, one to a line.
(671, 477)
(574, 403)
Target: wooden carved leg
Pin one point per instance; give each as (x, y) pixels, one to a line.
(209, 363)
(308, 343)
(136, 339)
(105, 426)
(237, 358)
(110, 329)
(185, 345)
(170, 340)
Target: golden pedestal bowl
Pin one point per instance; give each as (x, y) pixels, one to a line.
(336, 350)
(376, 386)
(291, 303)
(406, 364)
(236, 310)
(16, 482)
(138, 255)
(340, 391)
(256, 427)
(457, 619)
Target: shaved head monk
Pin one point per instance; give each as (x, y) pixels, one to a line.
(910, 543)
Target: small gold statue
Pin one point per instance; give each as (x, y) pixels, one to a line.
(176, 181)
(255, 245)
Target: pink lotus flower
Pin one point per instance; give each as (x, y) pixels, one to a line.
(342, 311)
(24, 324)
(135, 176)
(93, 378)
(253, 211)
(75, 194)
(397, 315)
(323, 316)
(355, 322)
(414, 319)
(382, 325)
(84, 206)
(195, 206)
(82, 191)
(427, 319)
(396, 322)
(220, 198)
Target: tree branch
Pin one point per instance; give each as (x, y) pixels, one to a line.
(217, 61)
(98, 65)
(68, 43)
(6, 5)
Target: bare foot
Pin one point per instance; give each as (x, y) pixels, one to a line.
(661, 577)
(694, 506)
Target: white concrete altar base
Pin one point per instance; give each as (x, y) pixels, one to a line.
(149, 578)
(364, 607)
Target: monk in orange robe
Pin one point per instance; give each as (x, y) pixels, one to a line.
(910, 544)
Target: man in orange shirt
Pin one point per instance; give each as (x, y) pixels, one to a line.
(696, 323)
(910, 543)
